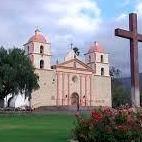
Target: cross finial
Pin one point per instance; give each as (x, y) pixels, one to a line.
(57, 61)
(96, 43)
(71, 45)
(37, 31)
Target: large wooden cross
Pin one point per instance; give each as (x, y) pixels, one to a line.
(134, 37)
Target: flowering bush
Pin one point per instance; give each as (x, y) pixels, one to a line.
(109, 125)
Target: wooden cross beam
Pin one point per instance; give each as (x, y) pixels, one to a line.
(134, 37)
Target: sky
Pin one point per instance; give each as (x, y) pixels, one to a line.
(63, 22)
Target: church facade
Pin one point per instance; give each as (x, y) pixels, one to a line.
(72, 82)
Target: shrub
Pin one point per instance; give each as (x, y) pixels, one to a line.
(109, 125)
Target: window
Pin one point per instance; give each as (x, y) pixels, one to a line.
(41, 49)
(28, 49)
(102, 59)
(41, 64)
(74, 78)
(89, 58)
(102, 71)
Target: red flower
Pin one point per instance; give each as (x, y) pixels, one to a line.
(108, 111)
(97, 116)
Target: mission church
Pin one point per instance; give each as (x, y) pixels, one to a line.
(71, 82)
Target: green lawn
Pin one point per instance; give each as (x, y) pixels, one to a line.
(36, 128)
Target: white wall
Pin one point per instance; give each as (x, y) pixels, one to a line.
(46, 94)
(36, 56)
(95, 62)
(101, 91)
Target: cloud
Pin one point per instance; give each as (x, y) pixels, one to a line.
(121, 17)
(126, 2)
(138, 8)
(64, 21)
(84, 16)
(119, 48)
(61, 20)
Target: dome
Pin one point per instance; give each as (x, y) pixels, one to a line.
(95, 47)
(38, 37)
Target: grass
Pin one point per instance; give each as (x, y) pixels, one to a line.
(36, 128)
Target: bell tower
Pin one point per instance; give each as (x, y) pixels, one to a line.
(97, 59)
(39, 51)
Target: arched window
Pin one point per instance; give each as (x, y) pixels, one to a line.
(74, 78)
(102, 59)
(41, 64)
(41, 49)
(102, 71)
(28, 49)
(89, 58)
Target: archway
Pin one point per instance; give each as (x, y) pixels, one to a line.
(75, 100)
(41, 64)
(41, 49)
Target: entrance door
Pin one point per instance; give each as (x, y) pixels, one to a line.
(75, 100)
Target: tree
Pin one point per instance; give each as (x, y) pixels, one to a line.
(120, 95)
(76, 50)
(115, 73)
(16, 73)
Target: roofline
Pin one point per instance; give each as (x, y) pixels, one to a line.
(36, 41)
(75, 59)
(95, 52)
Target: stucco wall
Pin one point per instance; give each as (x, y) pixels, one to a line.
(67, 86)
(94, 61)
(101, 91)
(46, 94)
(33, 50)
(47, 47)
(45, 58)
(98, 57)
(57, 87)
(101, 65)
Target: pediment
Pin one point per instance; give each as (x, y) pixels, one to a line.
(75, 64)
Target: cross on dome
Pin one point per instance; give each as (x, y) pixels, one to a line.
(37, 31)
